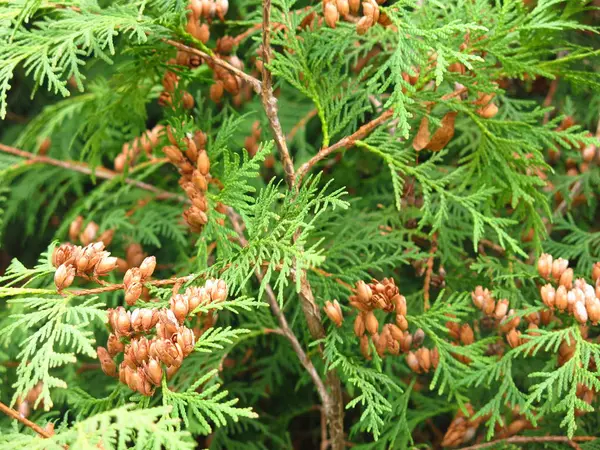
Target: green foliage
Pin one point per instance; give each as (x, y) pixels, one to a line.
(205, 405)
(89, 76)
(116, 429)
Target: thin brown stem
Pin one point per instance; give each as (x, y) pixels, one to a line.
(255, 83)
(268, 98)
(283, 324)
(574, 192)
(99, 172)
(346, 142)
(15, 415)
(117, 287)
(529, 440)
(301, 124)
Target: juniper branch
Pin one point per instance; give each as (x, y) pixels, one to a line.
(346, 142)
(117, 287)
(15, 415)
(99, 172)
(268, 98)
(256, 84)
(529, 440)
(283, 324)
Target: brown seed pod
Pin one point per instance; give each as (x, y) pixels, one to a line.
(153, 371)
(371, 323)
(561, 301)
(331, 14)
(106, 237)
(424, 358)
(120, 321)
(334, 312)
(180, 307)
(489, 306)
(139, 349)
(89, 233)
(169, 353)
(488, 111)
(548, 295)
(106, 362)
(354, 6)
(406, 342)
(64, 276)
(593, 310)
(399, 302)
(343, 7)
(467, 336)
(558, 267)
(216, 91)
(413, 362)
(222, 6)
(203, 162)
(418, 337)
(63, 254)
(510, 322)
(187, 100)
(566, 279)
(114, 345)
(174, 154)
(501, 309)
(359, 325)
(230, 84)
(147, 267)
(401, 322)
(106, 265)
(196, 7)
(514, 338)
(395, 332)
(363, 291)
(133, 293)
(580, 312)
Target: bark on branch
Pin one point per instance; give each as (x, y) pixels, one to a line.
(268, 98)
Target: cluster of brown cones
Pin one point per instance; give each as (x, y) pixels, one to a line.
(147, 357)
(88, 234)
(225, 81)
(349, 10)
(89, 262)
(393, 338)
(576, 297)
(193, 165)
(131, 150)
(462, 428)
(506, 320)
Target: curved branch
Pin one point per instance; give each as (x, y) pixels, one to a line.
(348, 141)
(118, 287)
(530, 439)
(100, 172)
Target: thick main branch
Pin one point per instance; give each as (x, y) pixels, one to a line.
(268, 98)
